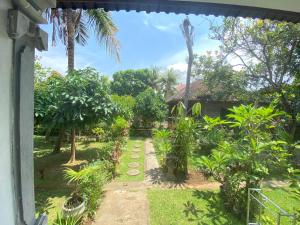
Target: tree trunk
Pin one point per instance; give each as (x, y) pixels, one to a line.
(73, 146)
(71, 50)
(187, 30)
(59, 141)
(71, 37)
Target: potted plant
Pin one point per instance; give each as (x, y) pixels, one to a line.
(75, 204)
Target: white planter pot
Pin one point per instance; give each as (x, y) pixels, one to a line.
(78, 210)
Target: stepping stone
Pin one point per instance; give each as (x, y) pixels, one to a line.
(137, 146)
(136, 150)
(133, 172)
(133, 164)
(135, 156)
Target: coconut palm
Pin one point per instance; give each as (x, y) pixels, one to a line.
(188, 33)
(168, 82)
(72, 26)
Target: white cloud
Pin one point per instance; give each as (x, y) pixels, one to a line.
(180, 67)
(162, 27)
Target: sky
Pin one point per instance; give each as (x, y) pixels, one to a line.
(146, 40)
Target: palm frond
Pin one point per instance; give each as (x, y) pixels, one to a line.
(105, 30)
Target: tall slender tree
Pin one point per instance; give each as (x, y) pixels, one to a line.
(71, 26)
(188, 34)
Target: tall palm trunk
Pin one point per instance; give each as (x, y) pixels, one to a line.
(188, 33)
(71, 50)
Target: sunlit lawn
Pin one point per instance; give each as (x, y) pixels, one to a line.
(126, 158)
(177, 207)
(52, 190)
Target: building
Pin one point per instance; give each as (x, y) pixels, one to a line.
(199, 93)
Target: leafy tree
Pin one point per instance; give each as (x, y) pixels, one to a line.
(246, 156)
(223, 82)
(47, 89)
(267, 50)
(72, 26)
(125, 106)
(150, 107)
(167, 82)
(188, 34)
(133, 82)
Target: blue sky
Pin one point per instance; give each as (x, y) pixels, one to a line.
(146, 40)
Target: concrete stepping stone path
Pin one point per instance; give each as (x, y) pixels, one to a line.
(133, 165)
(133, 172)
(135, 156)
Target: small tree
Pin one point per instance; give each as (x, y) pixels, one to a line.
(150, 107)
(241, 161)
(183, 137)
(84, 100)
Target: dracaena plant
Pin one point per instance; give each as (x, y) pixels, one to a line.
(183, 136)
(244, 159)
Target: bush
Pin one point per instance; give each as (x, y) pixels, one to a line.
(162, 143)
(89, 182)
(125, 106)
(242, 160)
(150, 107)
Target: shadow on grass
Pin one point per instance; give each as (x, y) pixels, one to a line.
(214, 212)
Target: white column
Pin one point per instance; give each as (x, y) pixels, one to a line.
(7, 209)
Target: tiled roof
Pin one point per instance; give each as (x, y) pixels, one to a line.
(186, 7)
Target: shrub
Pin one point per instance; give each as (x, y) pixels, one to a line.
(245, 157)
(89, 182)
(150, 107)
(162, 143)
(125, 106)
(183, 137)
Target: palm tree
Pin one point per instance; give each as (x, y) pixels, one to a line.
(168, 82)
(188, 33)
(71, 26)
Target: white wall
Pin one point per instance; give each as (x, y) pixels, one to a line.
(6, 187)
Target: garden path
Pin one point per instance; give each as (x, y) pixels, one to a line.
(124, 203)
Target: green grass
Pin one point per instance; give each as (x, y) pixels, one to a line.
(52, 190)
(126, 158)
(177, 207)
(286, 198)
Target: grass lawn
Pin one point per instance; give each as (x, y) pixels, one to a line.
(286, 198)
(126, 158)
(52, 189)
(177, 207)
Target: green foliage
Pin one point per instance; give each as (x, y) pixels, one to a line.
(223, 82)
(89, 182)
(119, 127)
(125, 106)
(268, 51)
(167, 83)
(133, 82)
(71, 220)
(150, 107)
(246, 156)
(183, 137)
(162, 142)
